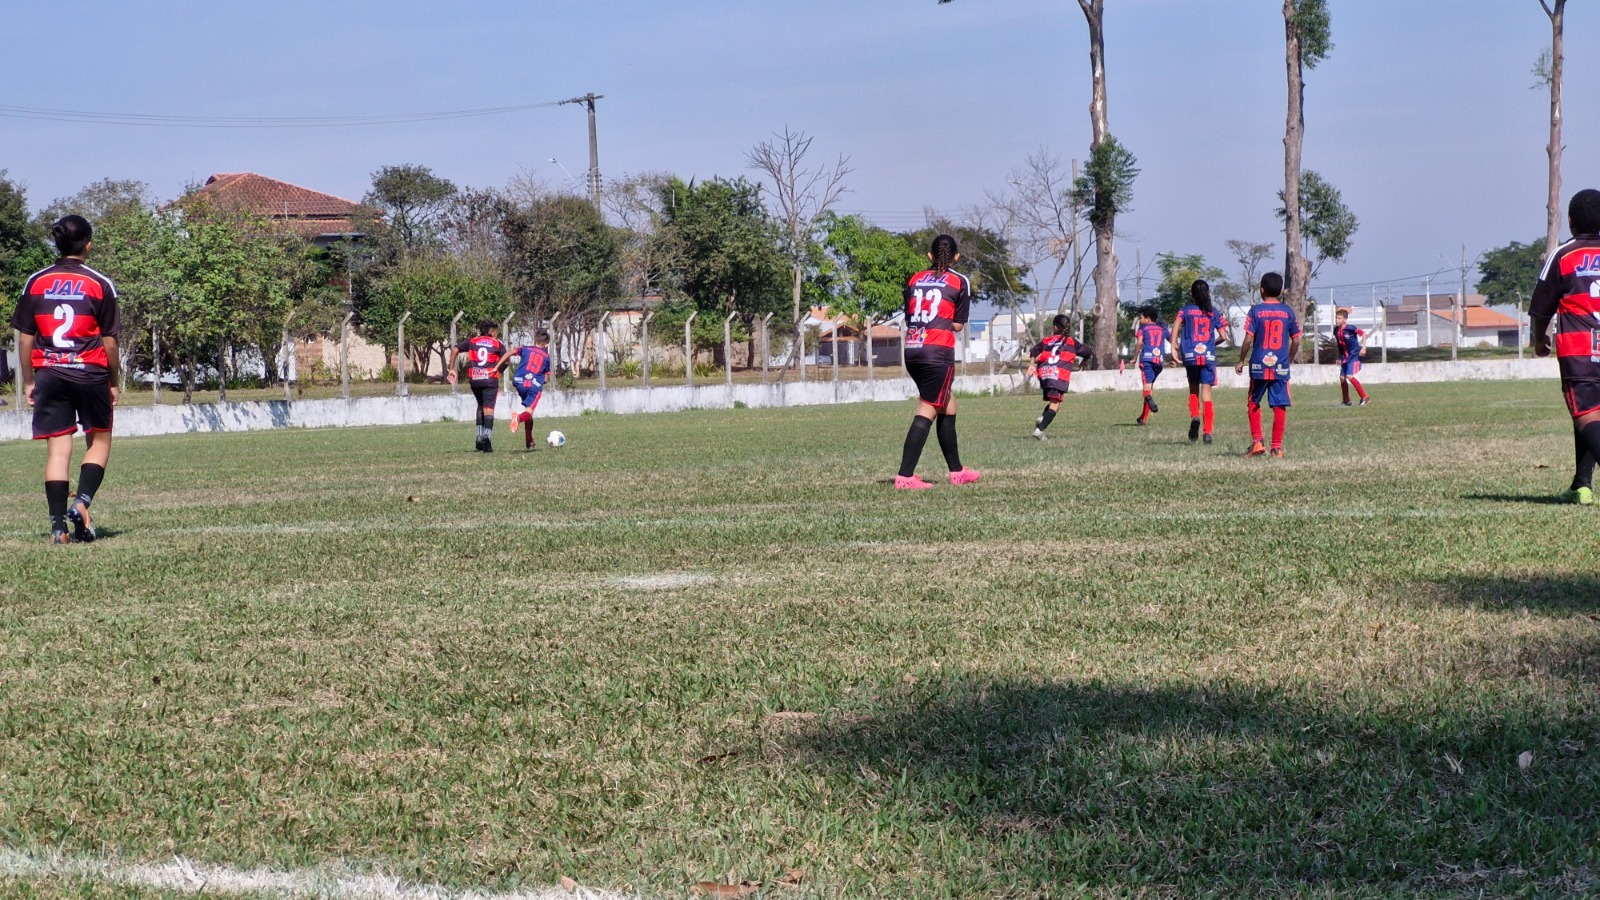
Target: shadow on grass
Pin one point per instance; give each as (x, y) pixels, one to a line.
(1562, 595)
(1539, 499)
(1231, 791)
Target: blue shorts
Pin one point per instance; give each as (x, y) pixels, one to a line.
(1149, 371)
(1276, 391)
(1198, 375)
(530, 396)
(1350, 367)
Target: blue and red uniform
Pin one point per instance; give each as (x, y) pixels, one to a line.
(1271, 326)
(1153, 340)
(1197, 332)
(529, 374)
(1348, 340)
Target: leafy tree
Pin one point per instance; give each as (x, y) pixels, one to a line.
(649, 256)
(101, 203)
(1510, 272)
(864, 268)
(1307, 41)
(1178, 272)
(1325, 222)
(433, 289)
(412, 198)
(23, 249)
(986, 258)
(561, 257)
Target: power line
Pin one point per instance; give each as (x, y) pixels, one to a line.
(162, 121)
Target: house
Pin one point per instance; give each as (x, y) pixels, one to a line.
(1480, 326)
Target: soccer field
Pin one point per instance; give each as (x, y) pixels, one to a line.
(711, 644)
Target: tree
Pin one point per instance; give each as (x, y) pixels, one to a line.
(1509, 273)
(732, 250)
(433, 289)
(1178, 272)
(986, 258)
(802, 195)
(1045, 213)
(23, 250)
(411, 197)
(101, 202)
(1250, 255)
(1325, 222)
(1307, 41)
(864, 268)
(1549, 70)
(561, 258)
(648, 257)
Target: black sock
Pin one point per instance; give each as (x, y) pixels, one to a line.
(488, 427)
(1045, 418)
(947, 442)
(55, 494)
(89, 477)
(916, 436)
(1586, 445)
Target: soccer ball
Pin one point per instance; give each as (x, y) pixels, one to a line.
(556, 439)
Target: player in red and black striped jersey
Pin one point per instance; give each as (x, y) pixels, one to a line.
(1052, 361)
(68, 326)
(937, 306)
(1568, 292)
(483, 359)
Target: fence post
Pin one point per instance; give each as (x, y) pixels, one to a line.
(903, 326)
(453, 323)
(600, 348)
(155, 358)
(16, 377)
(344, 356)
(727, 346)
(288, 357)
(871, 363)
(688, 350)
(834, 356)
(222, 373)
(800, 347)
(644, 344)
(766, 348)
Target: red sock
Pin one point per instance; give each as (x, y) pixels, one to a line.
(1255, 422)
(1344, 388)
(1280, 418)
(1194, 407)
(527, 430)
(1359, 392)
(1210, 416)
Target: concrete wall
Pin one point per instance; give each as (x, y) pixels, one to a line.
(204, 417)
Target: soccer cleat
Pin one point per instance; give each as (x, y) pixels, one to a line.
(910, 483)
(1206, 438)
(1257, 449)
(1151, 401)
(512, 425)
(1345, 403)
(1139, 421)
(1277, 453)
(1194, 430)
(488, 447)
(59, 535)
(1364, 401)
(82, 528)
(1583, 496)
(1038, 435)
(964, 476)
(478, 445)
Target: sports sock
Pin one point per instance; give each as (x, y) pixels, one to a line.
(1344, 389)
(89, 477)
(1589, 435)
(488, 427)
(55, 495)
(1255, 422)
(1359, 392)
(1210, 416)
(947, 442)
(1280, 418)
(527, 431)
(916, 436)
(1045, 418)
(1194, 406)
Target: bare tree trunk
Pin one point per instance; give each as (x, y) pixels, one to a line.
(1552, 231)
(1105, 241)
(1297, 274)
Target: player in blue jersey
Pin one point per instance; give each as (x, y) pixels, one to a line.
(1195, 333)
(530, 367)
(1348, 338)
(1271, 339)
(1153, 340)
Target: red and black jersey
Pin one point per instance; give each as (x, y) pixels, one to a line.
(69, 309)
(935, 303)
(1055, 357)
(483, 354)
(1569, 291)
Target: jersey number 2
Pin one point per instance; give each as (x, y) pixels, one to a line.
(65, 315)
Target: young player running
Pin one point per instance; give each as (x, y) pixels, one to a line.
(1271, 339)
(1348, 338)
(1196, 329)
(67, 324)
(483, 359)
(937, 304)
(1569, 292)
(1155, 342)
(530, 366)
(1051, 361)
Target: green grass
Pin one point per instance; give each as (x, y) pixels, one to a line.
(717, 642)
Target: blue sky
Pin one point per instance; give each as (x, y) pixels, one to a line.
(1423, 115)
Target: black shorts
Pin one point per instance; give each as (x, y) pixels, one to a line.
(1583, 397)
(486, 393)
(61, 404)
(933, 379)
(1053, 390)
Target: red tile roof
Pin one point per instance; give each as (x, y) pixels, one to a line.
(1478, 317)
(306, 211)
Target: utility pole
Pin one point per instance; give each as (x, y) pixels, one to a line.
(1461, 307)
(587, 101)
(1138, 275)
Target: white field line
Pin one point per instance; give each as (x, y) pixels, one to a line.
(329, 883)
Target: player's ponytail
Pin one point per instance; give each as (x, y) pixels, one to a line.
(1061, 323)
(943, 252)
(1200, 292)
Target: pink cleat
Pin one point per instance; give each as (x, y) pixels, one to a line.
(964, 476)
(910, 483)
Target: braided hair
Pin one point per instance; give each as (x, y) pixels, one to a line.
(1061, 323)
(1200, 292)
(943, 252)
